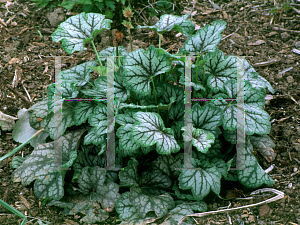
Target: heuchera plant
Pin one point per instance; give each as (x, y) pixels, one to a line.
(149, 115)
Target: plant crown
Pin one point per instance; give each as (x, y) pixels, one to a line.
(149, 128)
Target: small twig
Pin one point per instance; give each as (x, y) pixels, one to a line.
(297, 160)
(282, 29)
(280, 195)
(294, 100)
(266, 63)
(26, 91)
(19, 94)
(230, 34)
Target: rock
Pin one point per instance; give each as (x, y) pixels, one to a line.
(279, 76)
(56, 17)
(264, 210)
(290, 79)
(297, 44)
(285, 36)
(296, 146)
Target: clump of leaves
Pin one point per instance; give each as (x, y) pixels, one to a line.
(106, 7)
(44, 3)
(280, 9)
(149, 132)
(128, 14)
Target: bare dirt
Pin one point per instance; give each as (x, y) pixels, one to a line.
(267, 41)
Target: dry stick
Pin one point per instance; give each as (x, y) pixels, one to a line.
(19, 94)
(230, 34)
(282, 29)
(280, 195)
(294, 100)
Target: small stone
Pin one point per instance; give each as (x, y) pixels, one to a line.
(264, 210)
(297, 44)
(279, 76)
(250, 52)
(285, 36)
(251, 219)
(244, 215)
(296, 146)
(290, 79)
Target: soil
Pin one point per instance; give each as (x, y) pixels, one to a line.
(26, 71)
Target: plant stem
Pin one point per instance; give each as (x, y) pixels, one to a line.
(21, 146)
(94, 47)
(91, 84)
(117, 53)
(159, 41)
(130, 39)
(197, 70)
(154, 94)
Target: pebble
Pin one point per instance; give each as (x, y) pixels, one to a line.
(290, 79)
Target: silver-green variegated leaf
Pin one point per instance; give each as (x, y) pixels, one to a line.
(17, 161)
(259, 82)
(91, 178)
(80, 74)
(38, 110)
(50, 186)
(140, 201)
(150, 130)
(41, 164)
(256, 119)
(253, 176)
(184, 209)
(129, 175)
(111, 51)
(57, 125)
(202, 180)
(91, 138)
(168, 91)
(219, 69)
(83, 110)
(256, 80)
(99, 90)
(206, 39)
(98, 119)
(201, 139)
(126, 141)
(141, 66)
(173, 22)
(207, 118)
(79, 30)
